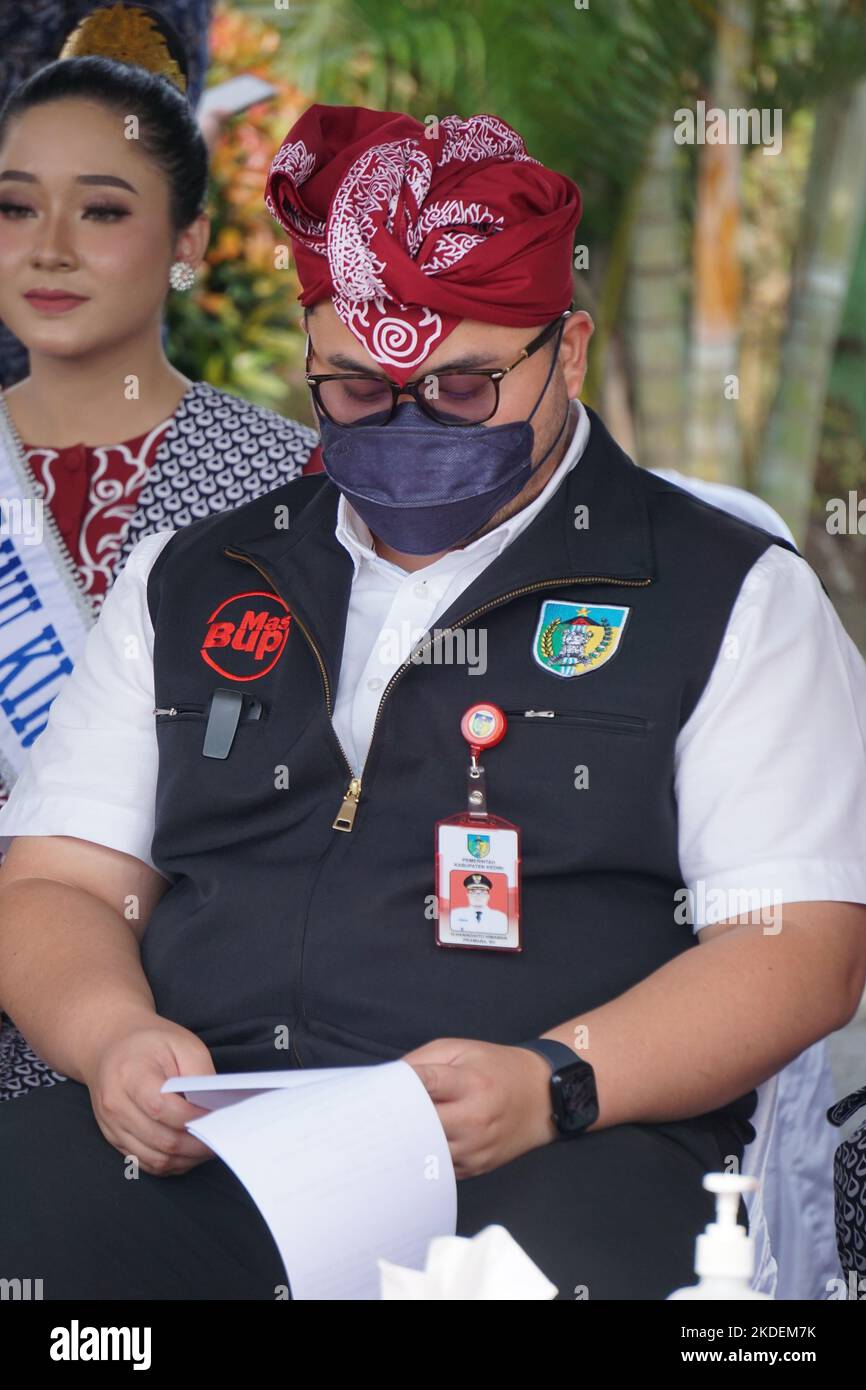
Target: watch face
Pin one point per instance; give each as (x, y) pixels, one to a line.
(574, 1097)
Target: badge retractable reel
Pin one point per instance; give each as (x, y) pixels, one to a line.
(478, 855)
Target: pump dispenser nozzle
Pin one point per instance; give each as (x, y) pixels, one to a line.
(725, 1250)
(725, 1253)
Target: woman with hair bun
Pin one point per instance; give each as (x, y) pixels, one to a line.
(103, 179)
(35, 33)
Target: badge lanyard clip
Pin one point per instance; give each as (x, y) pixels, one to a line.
(476, 787)
(478, 856)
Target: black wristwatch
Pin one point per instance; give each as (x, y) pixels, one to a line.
(572, 1087)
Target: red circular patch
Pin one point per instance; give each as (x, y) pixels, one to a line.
(246, 634)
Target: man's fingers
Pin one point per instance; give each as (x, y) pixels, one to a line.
(166, 1107)
(146, 1116)
(130, 1142)
(147, 1139)
(443, 1083)
(173, 1139)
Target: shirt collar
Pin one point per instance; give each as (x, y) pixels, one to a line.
(355, 536)
(313, 573)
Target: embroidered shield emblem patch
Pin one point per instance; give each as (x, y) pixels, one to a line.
(573, 638)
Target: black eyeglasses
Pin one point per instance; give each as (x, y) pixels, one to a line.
(451, 398)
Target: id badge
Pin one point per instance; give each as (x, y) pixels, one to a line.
(478, 857)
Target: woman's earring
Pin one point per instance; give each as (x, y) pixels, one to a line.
(181, 276)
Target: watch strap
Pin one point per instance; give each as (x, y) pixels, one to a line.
(558, 1054)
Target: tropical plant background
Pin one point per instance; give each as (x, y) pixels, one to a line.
(727, 286)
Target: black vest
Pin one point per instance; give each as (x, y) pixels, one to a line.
(278, 925)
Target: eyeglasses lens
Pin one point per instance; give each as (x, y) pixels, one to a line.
(453, 397)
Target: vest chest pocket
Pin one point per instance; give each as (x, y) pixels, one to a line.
(629, 724)
(221, 715)
(567, 777)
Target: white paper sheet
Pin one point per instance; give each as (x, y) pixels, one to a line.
(346, 1164)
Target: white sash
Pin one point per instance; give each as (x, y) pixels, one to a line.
(44, 616)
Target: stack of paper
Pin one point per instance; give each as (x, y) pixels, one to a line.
(346, 1165)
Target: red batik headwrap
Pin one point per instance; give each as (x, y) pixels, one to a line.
(410, 228)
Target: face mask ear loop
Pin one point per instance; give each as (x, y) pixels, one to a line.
(549, 374)
(550, 450)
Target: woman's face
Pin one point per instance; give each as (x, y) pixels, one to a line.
(84, 218)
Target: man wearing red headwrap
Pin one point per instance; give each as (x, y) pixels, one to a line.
(443, 247)
(476, 498)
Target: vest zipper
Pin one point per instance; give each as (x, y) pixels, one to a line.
(345, 817)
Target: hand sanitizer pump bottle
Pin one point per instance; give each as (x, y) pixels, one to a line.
(725, 1253)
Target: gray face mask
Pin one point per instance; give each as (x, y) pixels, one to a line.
(423, 487)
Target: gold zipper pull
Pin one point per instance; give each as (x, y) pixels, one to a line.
(349, 809)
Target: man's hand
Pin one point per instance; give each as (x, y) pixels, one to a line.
(493, 1101)
(124, 1083)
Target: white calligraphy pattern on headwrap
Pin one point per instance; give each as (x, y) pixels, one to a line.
(386, 181)
(298, 162)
